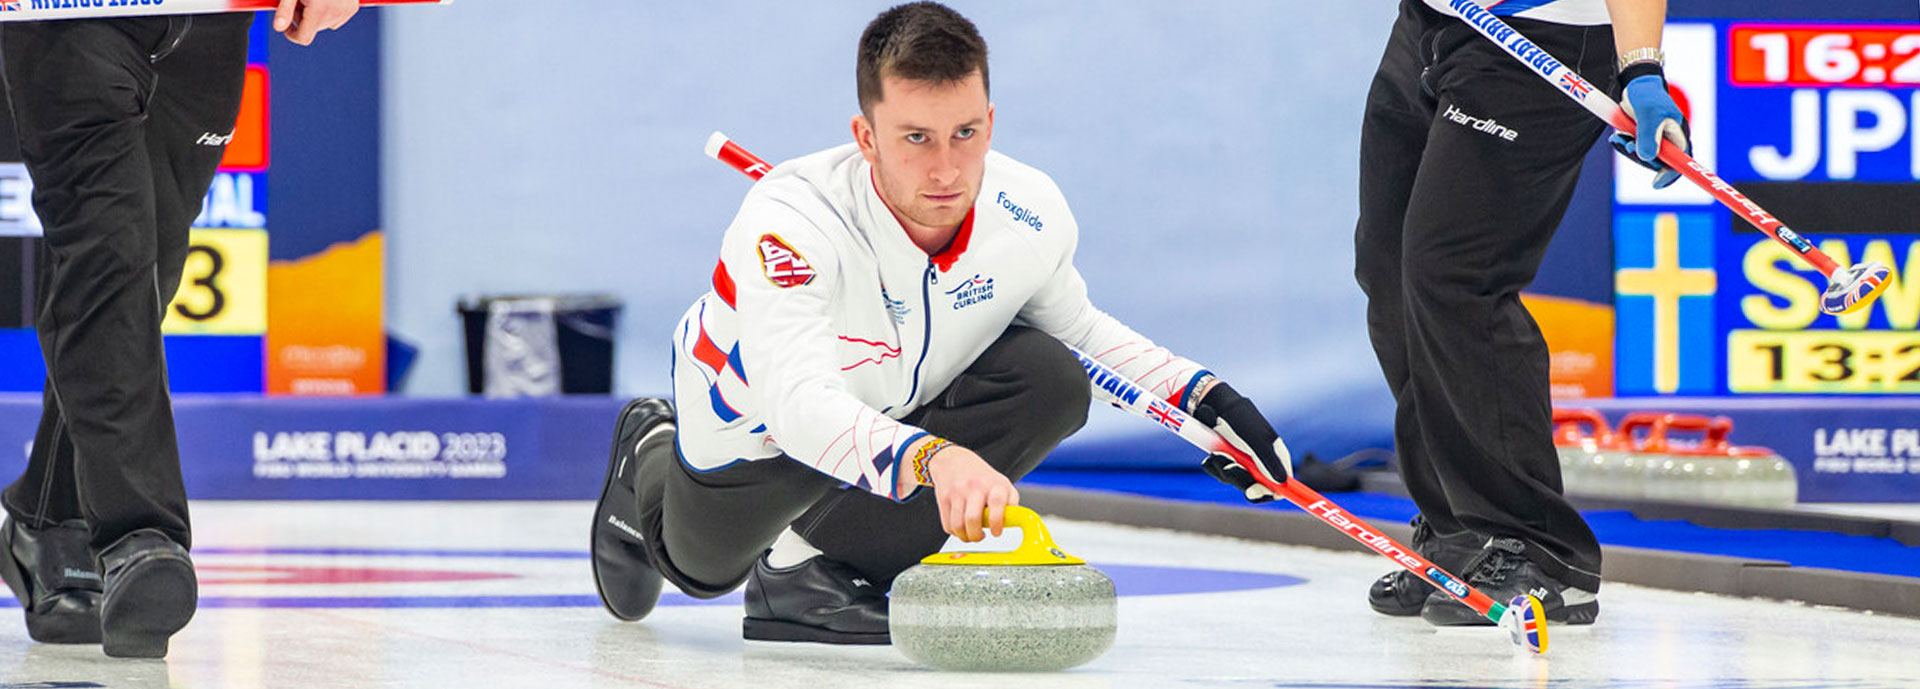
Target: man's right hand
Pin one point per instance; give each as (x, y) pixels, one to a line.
(969, 489)
(301, 20)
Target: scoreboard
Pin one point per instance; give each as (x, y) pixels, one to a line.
(1820, 124)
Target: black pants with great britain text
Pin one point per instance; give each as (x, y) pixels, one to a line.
(1467, 162)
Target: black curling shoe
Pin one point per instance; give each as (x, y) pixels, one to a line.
(624, 574)
(819, 600)
(1401, 594)
(51, 573)
(1502, 571)
(151, 592)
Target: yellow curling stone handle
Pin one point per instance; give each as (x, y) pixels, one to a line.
(1036, 546)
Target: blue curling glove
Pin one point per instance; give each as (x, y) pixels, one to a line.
(1656, 117)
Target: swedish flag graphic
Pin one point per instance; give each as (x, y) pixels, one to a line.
(1664, 282)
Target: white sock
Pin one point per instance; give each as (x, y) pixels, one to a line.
(789, 550)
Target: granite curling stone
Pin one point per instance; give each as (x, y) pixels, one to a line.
(1033, 609)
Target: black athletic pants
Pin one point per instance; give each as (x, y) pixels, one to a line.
(122, 123)
(1467, 162)
(1018, 400)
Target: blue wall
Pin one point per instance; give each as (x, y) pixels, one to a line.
(1209, 150)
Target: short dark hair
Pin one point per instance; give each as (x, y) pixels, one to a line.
(921, 41)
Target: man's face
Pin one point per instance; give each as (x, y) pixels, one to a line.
(928, 146)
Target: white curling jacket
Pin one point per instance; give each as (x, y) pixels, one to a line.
(826, 323)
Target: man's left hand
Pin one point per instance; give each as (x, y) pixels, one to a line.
(1656, 117)
(1235, 418)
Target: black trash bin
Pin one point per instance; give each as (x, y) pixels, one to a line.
(530, 345)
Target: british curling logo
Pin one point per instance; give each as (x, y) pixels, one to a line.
(1020, 214)
(971, 292)
(895, 307)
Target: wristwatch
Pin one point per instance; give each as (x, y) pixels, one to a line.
(1638, 55)
(1641, 62)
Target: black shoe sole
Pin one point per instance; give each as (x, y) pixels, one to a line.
(1576, 615)
(63, 629)
(41, 627)
(756, 629)
(601, 513)
(1457, 614)
(1449, 617)
(150, 600)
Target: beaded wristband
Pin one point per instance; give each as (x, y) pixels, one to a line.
(1199, 388)
(923, 457)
